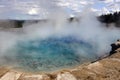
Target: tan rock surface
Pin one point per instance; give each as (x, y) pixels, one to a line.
(34, 77)
(65, 76)
(3, 71)
(11, 75)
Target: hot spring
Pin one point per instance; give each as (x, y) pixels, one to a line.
(57, 43)
(52, 53)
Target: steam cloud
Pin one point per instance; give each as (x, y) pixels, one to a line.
(87, 29)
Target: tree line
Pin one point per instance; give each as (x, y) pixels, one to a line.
(110, 18)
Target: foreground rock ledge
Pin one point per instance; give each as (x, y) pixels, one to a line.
(105, 69)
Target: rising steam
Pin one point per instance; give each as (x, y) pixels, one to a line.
(87, 29)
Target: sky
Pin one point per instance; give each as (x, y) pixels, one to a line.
(39, 9)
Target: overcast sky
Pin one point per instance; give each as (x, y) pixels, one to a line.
(38, 9)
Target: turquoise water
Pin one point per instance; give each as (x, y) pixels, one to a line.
(52, 53)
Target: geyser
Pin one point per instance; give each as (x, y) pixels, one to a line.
(57, 43)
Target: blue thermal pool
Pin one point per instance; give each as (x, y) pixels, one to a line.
(52, 53)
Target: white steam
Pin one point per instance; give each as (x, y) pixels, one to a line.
(87, 29)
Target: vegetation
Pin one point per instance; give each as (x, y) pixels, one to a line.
(110, 18)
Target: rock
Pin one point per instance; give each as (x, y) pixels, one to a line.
(11, 75)
(65, 76)
(35, 77)
(105, 69)
(3, 70)
(84, 74)
(115, 46)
